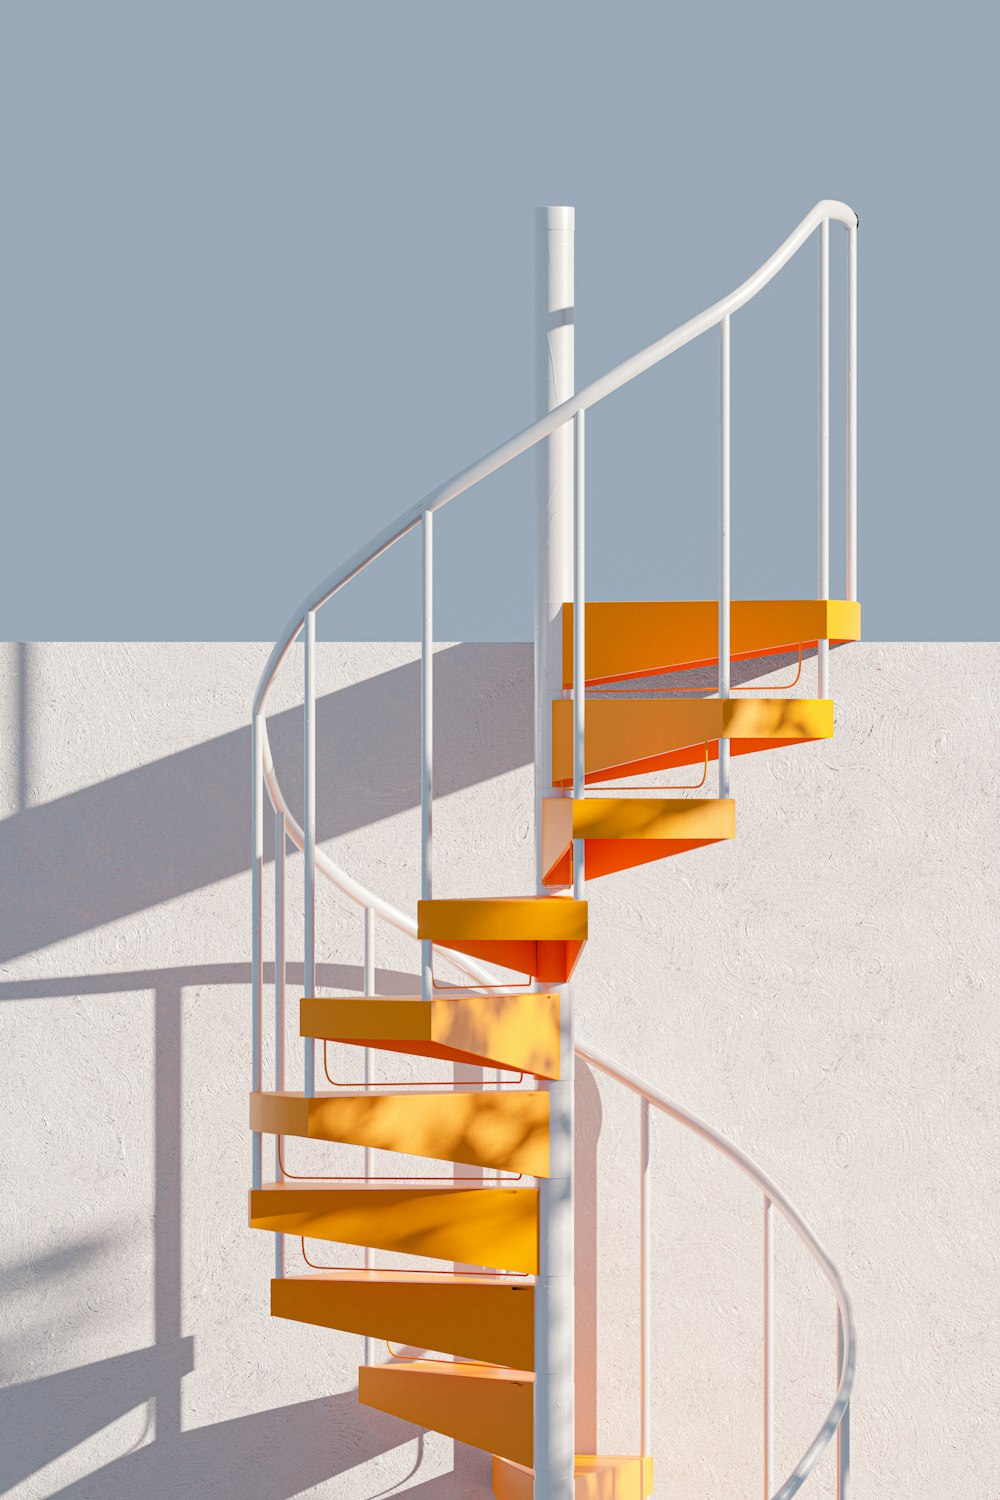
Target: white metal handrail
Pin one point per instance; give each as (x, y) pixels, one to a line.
(834, 1421)
(316, 861)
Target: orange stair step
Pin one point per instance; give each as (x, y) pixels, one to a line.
(541, 936)
(620, 832)
(483, 1226)
(478, 1317)
(597, 1478)
(634, 736)
(516, 1032)
(626, 639)
(505, 1129)
(485, 1405)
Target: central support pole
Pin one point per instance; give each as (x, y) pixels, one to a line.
(554, 1458)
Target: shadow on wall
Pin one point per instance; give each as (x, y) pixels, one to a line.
(84, 859)
(268, 1455)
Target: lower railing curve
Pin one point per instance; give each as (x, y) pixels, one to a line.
(836, 1421)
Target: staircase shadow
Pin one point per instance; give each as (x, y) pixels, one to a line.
(268, 1455)
(84, 859)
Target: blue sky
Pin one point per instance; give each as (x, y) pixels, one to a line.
(267, 277)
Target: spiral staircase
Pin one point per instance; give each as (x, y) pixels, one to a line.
(496, 1367)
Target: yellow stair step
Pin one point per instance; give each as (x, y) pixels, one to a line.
(478, 1317)
(641, 638)
(506, 1129)
(634, 736)
(515, 1032)
(620, 832)
(485, 1405)
(537, 935)
(482, 1226)
(597, 1478)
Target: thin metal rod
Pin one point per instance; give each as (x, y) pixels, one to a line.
(852, 412)
(279, 1006)
(579, 635)
(768, 1348)
(257, 925)
(646, 1384)
(368, 988)
(427, 745)
(309, 824)
(823, 647)
(844, 1430)
(725, 585)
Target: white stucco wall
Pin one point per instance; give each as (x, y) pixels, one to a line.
(823, 989)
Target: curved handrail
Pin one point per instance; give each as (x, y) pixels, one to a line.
(827, 210)
(790, 1213)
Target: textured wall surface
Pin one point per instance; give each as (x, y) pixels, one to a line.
(823, 989)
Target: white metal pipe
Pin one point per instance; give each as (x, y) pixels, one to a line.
(548, 423)
(579, 637)
(309, 853)
(823, 647)
(725, 581)
(852, 411)
(645, 1300)
(368, 988)
(768, 1348)
(579, 604)
(427, 745)
(844, 1430)
(279, 1006)
(554, 1418)
(257, 927)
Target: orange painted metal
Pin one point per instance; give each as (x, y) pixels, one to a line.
(644, 638)
(484, 1226)
(506, 1130)
(538, 935)
(519, 1032)
(633, 736)
(621, 832)
(484, 1405)
(604, 1478)
(473, 1316)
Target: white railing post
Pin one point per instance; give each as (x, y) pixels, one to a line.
(852, 412)
(368, 988)
(844, 1430)
(645, 1303)
(768, 1347)
(554, 1409)
(823, 646)
(257, 928)
(725, 587)
(579, 629)
(309, 851)
(279, 1006)
(427, 744)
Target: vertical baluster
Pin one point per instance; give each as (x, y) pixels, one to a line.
(309, 851)
(279, 1006)
(368, 988)
(579, 635)
(823, 646)
(257, 926)
(852, 412)
(645, 1442)
(724, 549)
(844, 1430)
(768, 1347)
(427, 744)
